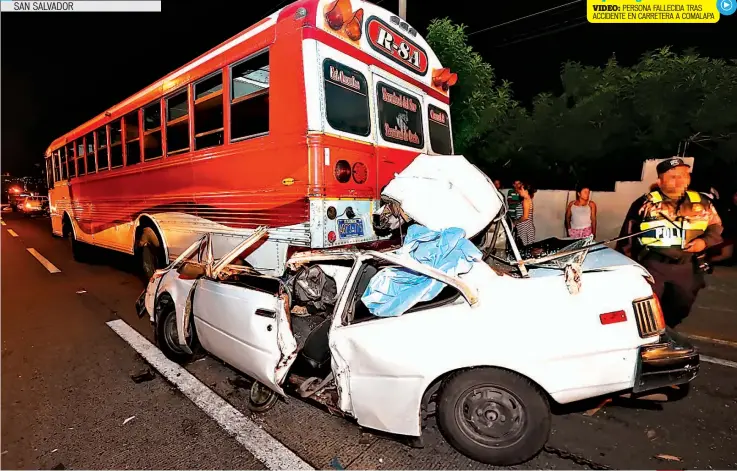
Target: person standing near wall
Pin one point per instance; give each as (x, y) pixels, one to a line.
(680, 225)
(581, 215)
(525, 226)
(514, 201)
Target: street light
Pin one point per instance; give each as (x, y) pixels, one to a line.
(403, 9)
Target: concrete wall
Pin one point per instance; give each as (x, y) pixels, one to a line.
(550, 205)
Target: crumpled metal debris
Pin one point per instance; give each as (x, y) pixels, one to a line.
(572, 274)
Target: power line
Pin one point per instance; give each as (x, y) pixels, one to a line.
(545, 33)
(273, 9)
(524, 17)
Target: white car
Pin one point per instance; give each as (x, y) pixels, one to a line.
(486, 356)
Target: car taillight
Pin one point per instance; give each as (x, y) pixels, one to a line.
(360, 172)
(659, 316)
(342, 171)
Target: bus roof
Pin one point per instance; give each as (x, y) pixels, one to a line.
(421, 63)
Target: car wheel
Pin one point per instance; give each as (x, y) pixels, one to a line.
(677, 393)
(261, 398)
(494, 416)
(167, 336)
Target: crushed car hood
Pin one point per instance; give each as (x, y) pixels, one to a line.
(443, 191)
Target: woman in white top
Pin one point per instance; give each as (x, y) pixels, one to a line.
(581, 215)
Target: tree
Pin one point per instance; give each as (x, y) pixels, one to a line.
(477, 103)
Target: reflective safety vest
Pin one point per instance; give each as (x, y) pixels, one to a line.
(664, 233)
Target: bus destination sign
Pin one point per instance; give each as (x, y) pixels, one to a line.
(395, 46)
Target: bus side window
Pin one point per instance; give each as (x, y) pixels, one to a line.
(90, 154)
(249, 103)
(63, 164)
(116, 143)
(152, 131)
(55, 165)
(80, 158)
(177, 123)
(208, 112)
(102, 163)
(71, 160)
(132, 139)
(49, 173)
(438, 124)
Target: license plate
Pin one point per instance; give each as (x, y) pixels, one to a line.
(350, 228)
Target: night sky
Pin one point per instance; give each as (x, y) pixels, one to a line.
(61, 69)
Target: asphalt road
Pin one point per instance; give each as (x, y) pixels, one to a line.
(68, 392)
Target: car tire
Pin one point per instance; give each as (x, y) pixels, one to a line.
(677, 393)
(261, 398)
(166, 333)
(494, 416)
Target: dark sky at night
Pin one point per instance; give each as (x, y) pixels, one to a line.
(61, 69)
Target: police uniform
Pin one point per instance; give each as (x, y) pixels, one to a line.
(670, 225)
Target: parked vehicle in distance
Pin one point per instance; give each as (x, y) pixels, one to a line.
(514, 337)
(34, 206)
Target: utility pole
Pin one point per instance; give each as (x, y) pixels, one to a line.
(403, 9)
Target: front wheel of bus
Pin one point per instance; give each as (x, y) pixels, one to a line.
(150, 253)
(79, 250)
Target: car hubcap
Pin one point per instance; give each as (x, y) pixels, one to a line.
(490, 415)
(260, 394)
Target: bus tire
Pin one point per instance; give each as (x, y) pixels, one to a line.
(78, 249)
(150, 253)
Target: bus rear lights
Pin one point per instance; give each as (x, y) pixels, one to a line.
(332, 213)
(353, 28)
(331, 236)
(343, 171)
(360, 172)
(444, 78)
(335, 15)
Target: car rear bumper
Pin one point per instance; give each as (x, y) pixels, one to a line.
(669, 362)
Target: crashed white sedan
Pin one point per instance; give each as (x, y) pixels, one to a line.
(486, 352)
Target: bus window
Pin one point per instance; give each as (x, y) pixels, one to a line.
(90, 155)
(152, 131)
(346, 99)
(132, 139)
(102, 163)
(400, 117)
(249, 104)
(70, 160)
(439, 128)
(55, 164)
(208, 112)
(63, 164)
(49, 173)
(80, 158)
(116, 144)
(177, 123)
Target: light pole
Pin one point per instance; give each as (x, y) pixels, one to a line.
(403, 9)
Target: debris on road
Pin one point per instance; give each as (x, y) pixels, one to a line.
(54, 450)
(667, 457)
(82, 291)
(335, 463)
(144, 376)
(129, 419)
(4, 452)
(651, 434)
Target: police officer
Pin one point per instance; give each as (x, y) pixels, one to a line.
(681, 225)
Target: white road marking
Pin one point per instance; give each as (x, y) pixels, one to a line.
(48, 265)
(271, 452)
(12, 232)
(719, 361)
(2, 222)
(728, 343)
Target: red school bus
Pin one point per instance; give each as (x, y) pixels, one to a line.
(296, 123)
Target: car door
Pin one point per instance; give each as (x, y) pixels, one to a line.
(244, 323)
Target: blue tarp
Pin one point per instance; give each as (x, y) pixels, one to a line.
(393, 291)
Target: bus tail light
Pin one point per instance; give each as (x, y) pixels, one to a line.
(342, 171)
(360, 172)
(334, 16)
(331, 236)
(353, 28)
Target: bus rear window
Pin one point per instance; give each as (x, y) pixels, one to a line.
(439, 127)
(346, 99)
(400, 117)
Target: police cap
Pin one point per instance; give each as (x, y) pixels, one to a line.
(666, 165)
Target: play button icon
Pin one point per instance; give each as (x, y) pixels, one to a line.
(726, 7)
